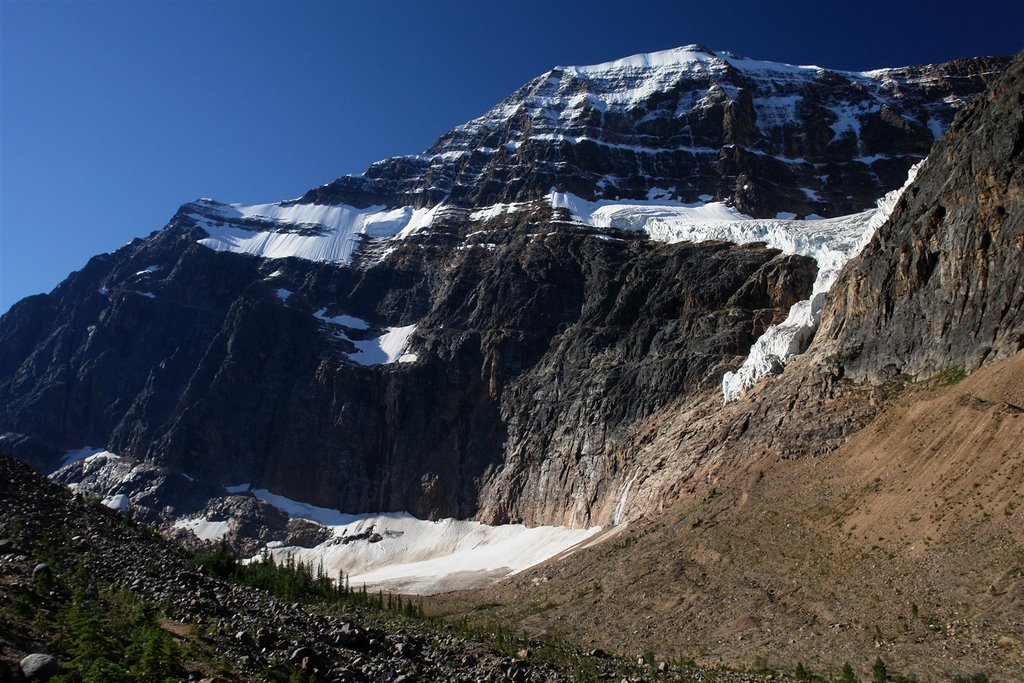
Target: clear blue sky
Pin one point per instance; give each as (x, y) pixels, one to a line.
(112, 114)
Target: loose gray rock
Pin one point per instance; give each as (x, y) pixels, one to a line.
(39, 667)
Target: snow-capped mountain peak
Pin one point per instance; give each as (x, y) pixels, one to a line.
(763, 136)
(692, 54)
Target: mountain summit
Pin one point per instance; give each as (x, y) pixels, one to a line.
(764, 136)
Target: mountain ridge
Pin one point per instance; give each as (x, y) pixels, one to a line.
(528, 343)
(557, 357)
(540, 123)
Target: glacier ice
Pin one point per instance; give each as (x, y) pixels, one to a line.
(312, 232)
(829, 241)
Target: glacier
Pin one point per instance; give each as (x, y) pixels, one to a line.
(313, 232)
(831, 242)
(331, 234)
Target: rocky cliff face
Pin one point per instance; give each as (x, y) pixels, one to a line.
(766, 137)
(938, 288)
(547, 342)
(399, 341)
(941, 284)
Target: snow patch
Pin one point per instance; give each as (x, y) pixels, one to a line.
(348, 321)
(387, 348)
(283, 294)
(238, 488)
(658, 193)
(496, 210)
(203, 528)
(399, 551)
(811, 195)
(312, 232)
(85, 453)
(117, 502)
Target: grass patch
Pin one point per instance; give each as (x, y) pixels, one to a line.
(948, 377)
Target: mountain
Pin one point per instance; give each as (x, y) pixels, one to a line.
(766, 137)
(501, 328)
(866, 502)
(723, 308)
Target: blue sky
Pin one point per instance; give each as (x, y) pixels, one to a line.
(112, 114)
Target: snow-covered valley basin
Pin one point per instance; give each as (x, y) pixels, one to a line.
(396, 551)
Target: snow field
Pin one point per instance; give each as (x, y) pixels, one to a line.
(390, 347)
(420, 556)
(203, 528)
(87, 453)
(307, 231)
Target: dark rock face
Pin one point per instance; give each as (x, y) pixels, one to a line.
(765, 137)
(653, 330)
(539, 345)
(942, 283)
(156, 492)
(545, 347)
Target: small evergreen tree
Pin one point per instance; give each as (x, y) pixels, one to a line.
(879, 674)
(847, 675)
(104, 671)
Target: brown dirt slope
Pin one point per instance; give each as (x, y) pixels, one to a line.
(906, 543)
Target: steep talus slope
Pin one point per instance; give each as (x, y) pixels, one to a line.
(106, 583)
(904, 544)
(949, 267)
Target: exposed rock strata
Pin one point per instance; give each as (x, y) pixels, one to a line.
(543, 351)
(766, 137)
(942, 284)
